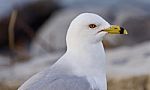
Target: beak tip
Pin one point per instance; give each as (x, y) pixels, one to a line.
(125, 32)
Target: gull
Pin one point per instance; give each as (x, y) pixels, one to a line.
(83, 66)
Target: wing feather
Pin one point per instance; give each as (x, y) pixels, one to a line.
(55, 81)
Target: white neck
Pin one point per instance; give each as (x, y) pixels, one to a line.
(88, 60)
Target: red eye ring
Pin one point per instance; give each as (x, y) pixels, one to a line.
(92, 26)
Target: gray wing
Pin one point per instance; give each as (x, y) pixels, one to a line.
(53, 81)
(69, 83)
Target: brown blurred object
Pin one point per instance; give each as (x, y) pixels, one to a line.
(130, 83)
(11, 31)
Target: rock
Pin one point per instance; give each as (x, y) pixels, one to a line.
(4, 60)
(8, 6)
(136, 20)
(11, 77)
(131, 60)
(128, 68)
(31, 14)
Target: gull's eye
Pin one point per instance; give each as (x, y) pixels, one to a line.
(92, 26)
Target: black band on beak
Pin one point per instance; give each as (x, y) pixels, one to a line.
(121, 30)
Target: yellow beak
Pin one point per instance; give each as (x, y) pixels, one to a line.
(114, 29)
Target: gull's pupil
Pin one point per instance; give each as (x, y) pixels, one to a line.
(92, 26)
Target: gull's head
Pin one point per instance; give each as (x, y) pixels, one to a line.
(90, 28)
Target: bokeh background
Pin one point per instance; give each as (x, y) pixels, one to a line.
(32, 37)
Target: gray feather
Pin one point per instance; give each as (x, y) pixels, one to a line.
(55, 79)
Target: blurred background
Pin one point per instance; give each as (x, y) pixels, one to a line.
(32, 37)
